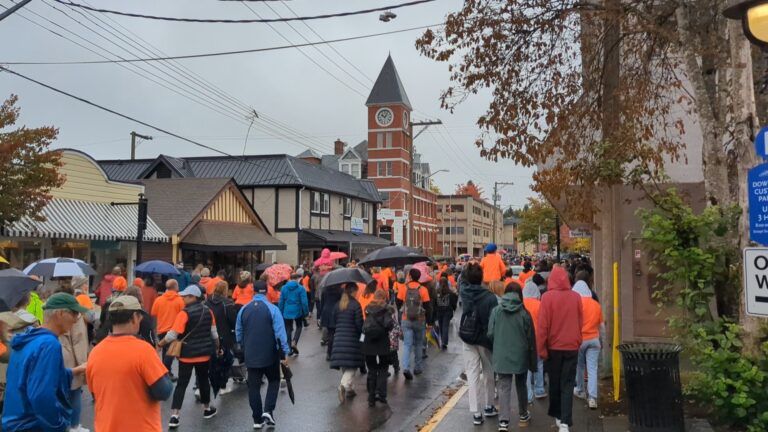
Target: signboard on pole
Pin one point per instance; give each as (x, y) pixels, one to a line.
(385, 214)
(756, 281)
(761, 142)
(757, 185)
(544, 239)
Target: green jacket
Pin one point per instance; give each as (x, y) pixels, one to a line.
(35, 306)
(510, 328)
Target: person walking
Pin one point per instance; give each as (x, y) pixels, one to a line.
(41, 383)
(532, 303)
(592, 333)
(125, 375)
(74, 344)
(261, 333)
(243, 293)
(294, 307)
(165, 310)
(560, 324)
(492, 264)
(478, 302)
(195, 327)
(104, 289)
(377, 325)
(510, 329)
(347, 355)
(327, 313)
(148, 293)
(447, 301)
(414, 301)
(225, 314)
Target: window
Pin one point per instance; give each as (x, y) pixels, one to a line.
(380, 140)
(355, 171)
(345, 168)
(315, 199)
(454, 230)
(388, 143)
(380, 167)
(457, 208)
(384, 196)
(389, 169)
(347, 207)
(326, 203)
(366, 211)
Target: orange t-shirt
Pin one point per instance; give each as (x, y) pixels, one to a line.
(273, 295)
(532, 305)
(592, 318)
(398, 287)
(423, 292)
(524, 276)
(119, 373)
(364, 301)
(493, 267)
(165, 309)
(243, 296)
(388, 275)
(85, 301)
(211, 285)
(180, 326)
(305, 283)
(3, 349)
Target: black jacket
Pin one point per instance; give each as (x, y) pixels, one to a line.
(453, 300)
(328, 301)
(197, 334)
(147, 328)
(225, 311)
(480, 299)
(383, 316)
(347, 349)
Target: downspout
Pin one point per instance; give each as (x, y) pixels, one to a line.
(298, 227)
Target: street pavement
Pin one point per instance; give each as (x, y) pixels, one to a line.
(317, 406)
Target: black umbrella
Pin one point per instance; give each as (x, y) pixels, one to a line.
(345, 275)
(218, 373)
(14, 284)
(263, 266)
(287, 374)
(393, 256)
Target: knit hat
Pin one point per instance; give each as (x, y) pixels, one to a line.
(139, 282)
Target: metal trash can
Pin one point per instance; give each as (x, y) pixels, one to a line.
(652, 379)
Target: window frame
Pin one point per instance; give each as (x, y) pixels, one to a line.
(326, 200)
(315, 203)
(347, 207)
(366, 210)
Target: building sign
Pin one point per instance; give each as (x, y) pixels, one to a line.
(580, 233)
(757, 185)
(385, 214)
(544, 239)
(397, 233)
(357, 225)
(756, 281)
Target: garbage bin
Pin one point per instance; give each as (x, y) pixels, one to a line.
(652, 379)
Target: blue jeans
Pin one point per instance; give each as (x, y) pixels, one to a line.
(588, 357)
(413, 342)
(536, 381)
(75, 399)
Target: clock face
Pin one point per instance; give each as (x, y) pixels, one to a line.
(405, 118)
(384, 117)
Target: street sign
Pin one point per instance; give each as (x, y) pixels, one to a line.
(357, 225)
(757, 184)
(385, 214)
(544, 239)
(761, 142)
(756, 281)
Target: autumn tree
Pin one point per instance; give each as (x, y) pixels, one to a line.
(30, 170)
(537, 218)
(471, 189)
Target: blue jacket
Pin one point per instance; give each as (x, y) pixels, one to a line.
(261, 347)
(293, 301)
(183, 278)
(37, 370)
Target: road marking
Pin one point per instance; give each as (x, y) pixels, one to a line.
(442, 412)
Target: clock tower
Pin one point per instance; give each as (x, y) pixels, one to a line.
(391, 164)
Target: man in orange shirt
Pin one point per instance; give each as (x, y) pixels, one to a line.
(124, 371)
(165, 310)
(210, 286)
(415, 303)
(492, 264)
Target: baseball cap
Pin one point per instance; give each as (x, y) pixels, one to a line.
(260, 286)
(191, 290)
(64, 301)
(125, 303)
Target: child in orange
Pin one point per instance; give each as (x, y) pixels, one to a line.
(592, 330)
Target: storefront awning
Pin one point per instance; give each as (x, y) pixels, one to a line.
(85, 220)
(322, 238)
(229, 237)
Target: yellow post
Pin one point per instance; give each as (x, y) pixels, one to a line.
(616, 337)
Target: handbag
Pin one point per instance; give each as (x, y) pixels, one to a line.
(174, 348)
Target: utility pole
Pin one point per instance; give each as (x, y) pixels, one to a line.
(557, 235)
(133, 142)
(495, 200)
(13, 9)
(426, 124)
(141, 224)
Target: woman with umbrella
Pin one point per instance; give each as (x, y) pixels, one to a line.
(346, 353)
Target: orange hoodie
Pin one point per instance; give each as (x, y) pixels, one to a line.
(243, 296)
(493, 267)
(593, 318)
(532, 305)
(165, 309)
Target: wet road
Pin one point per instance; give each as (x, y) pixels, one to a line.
(317, 406)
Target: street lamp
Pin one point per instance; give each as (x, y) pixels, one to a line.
(438, 171)
(754, 19)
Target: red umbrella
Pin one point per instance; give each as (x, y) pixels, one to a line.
(278, 273)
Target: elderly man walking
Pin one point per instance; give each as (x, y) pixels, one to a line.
(41, 383)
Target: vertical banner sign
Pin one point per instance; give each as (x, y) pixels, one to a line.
(757, 186)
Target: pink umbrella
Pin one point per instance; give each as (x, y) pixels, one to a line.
(425, 276)
(327, 258)
(278, 273)
(337, 256)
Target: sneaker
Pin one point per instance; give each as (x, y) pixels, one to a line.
(477, 419)
(592, 403)
(342, 394)
(268, 419)
(541, 395)
(524, 420)
(295, 351)
(558, 422)
(227, 389)
(490, 411)
(564, 428)
(210, 412)
(174, 422)
(579, 394)
(259, 425)
(503, 426)
(408, 375)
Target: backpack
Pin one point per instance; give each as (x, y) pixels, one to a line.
(372, 328)
(413, 304)
(444, 301)
(470, 328)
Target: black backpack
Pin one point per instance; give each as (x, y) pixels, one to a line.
(444, 301)
(372, 328)
(471, 329)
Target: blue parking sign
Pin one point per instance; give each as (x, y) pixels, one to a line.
(757, 180)
(761, 143)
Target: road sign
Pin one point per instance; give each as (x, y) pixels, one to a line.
(757, 184)
(756, 281)
(544, 239)
(761, 142)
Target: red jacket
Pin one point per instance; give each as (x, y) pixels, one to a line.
(560, 316)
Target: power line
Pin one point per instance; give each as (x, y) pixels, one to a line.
(224, 53)
(260, 20)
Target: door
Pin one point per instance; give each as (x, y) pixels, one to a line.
(649, 322)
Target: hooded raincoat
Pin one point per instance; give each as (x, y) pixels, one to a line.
(293, 301)
(560, 316)
(510, 329)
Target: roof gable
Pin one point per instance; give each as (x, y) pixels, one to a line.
(388, 89)
(350, 154)
(175, 203)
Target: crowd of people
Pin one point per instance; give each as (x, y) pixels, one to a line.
(121, 348)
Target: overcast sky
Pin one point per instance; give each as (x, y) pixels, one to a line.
(311, 105)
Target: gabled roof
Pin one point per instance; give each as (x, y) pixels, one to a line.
(309, 153)
(330, 161)
(353, 152)
(362, 150)
(388, 89)
(174, 203)
(178, 166)
(250, 171)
